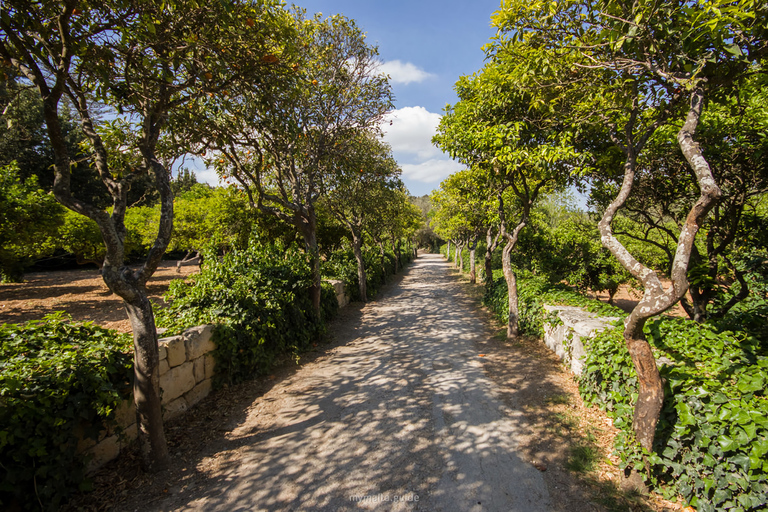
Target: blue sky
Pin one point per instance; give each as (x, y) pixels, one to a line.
(425, 46)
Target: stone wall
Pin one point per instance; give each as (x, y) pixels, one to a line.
(341, 292)
(186, 369)
(564, 336)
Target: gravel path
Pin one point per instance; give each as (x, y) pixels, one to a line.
(400, 417)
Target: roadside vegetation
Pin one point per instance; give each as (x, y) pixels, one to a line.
(654, 111)
(103, 103)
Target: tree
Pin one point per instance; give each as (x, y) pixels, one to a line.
(729, 132)
(358, 187)
(280, 139)
(510, 134)
(633, 66)
(29, 217)
(148, 62)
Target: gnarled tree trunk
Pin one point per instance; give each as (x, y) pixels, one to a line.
(655, 298)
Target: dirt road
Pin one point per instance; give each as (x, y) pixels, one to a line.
(399, 417)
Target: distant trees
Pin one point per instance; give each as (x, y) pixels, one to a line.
(358, 188)
(281, 139)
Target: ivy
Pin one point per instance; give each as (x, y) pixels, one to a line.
(56, 378)
(711, 443)
(258, 298)
(712, 439)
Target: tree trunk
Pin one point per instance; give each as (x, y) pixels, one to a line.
(509, 276)
(357, 248)
(491, 242)
(307, 225)
(655, 298)
(456, 252)
(472, 265)
(448, 251)
(146, 386)
(383, 257)
(461, 258)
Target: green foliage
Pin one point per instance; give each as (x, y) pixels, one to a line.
(56, 377)
(258, 298)
(28, 217)
(342, 265)
(202, 216)
(712, 438)
(533, 293)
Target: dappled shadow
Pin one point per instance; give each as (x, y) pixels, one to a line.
(401, 409)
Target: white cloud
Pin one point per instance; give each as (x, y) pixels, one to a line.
(431, 171)
(410, 130)
(404, 72)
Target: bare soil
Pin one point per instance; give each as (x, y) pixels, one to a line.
(81, 293)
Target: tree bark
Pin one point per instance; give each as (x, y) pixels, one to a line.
(472, 263)
(307, 226)
(655, 298)
(511, 278)
(357, 248)
(146, 386)
(491, 243)
(461, 258)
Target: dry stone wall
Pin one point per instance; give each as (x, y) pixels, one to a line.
(564, 336)
(186, 370)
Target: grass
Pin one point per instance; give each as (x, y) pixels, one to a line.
(583, 458)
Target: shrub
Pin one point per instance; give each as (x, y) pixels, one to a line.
(55, 378)
(533, 292)
(712, 438)
(343, 266)
(259, 299)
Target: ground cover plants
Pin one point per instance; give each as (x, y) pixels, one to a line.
(57, 378)
(711, 447)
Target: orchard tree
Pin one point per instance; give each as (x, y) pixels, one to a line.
(281, 139)
(664, 190)
(147, 61)
(466, 201)
(359, 184)
(510, 134)
(634, 66)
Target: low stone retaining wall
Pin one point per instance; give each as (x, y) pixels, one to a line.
(186, 372)
(341, 292)
(564, 335)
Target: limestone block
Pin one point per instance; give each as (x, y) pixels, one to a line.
(198, 392)
(177, 381)
(210, 363)
(103, 452)
(162, 351)
(177, 354)
(163, 367)
(174, 408)
(341, 293)
(129, 434)
(199, 368)
(565, 337)
(198, 341)
(125, 415)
